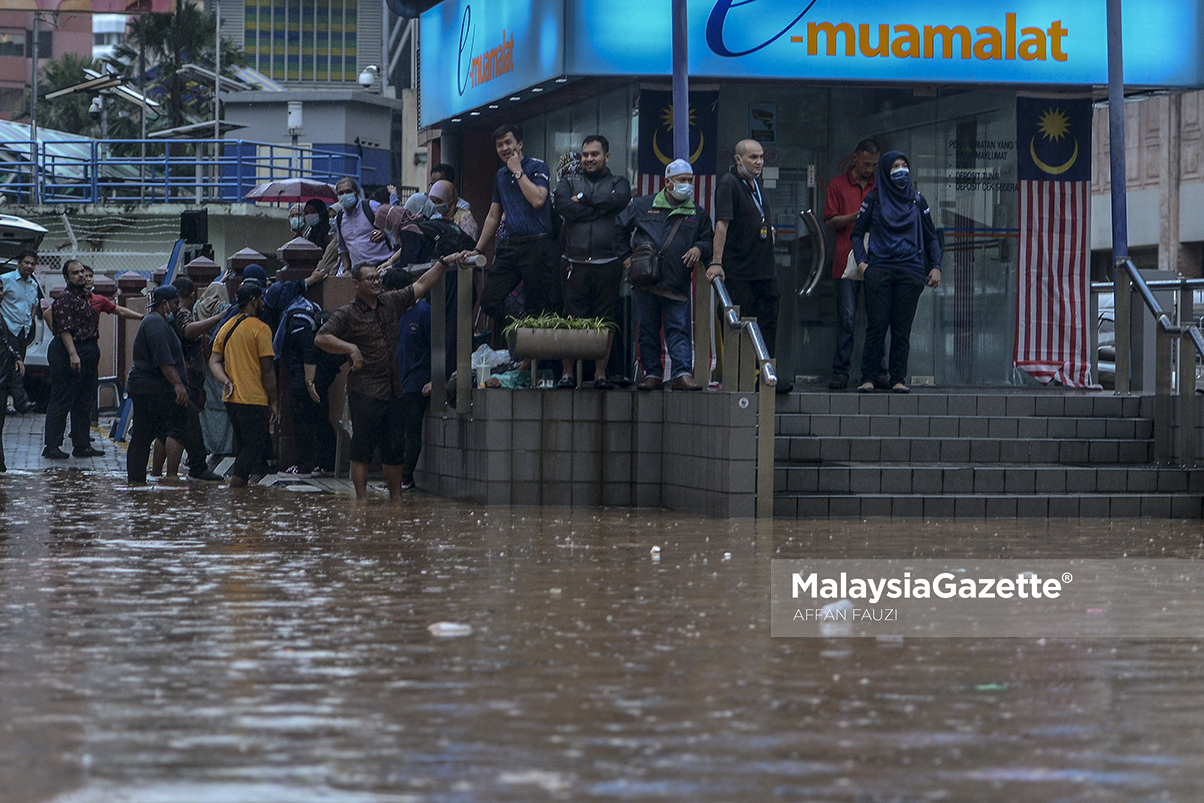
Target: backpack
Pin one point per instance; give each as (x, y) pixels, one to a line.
(446, 237)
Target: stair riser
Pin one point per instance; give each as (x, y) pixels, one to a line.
(1150, 506)
(984, 480)
(837, 449)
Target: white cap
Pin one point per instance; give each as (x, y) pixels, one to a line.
(678, 167)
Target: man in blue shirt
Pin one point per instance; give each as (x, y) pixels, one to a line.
(526, 249)
(18, 308)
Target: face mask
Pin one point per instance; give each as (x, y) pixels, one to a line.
(348, 199)
(171, 317)
(742, 170)
(682, 192)
(296, 223)
(312, 220)
(900, 176)
(441, 209)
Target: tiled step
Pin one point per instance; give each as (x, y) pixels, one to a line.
(950, 426)
(979, 506)
(968, 404)
(794, 449)
(936, 479)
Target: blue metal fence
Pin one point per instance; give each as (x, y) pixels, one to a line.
(159, 171)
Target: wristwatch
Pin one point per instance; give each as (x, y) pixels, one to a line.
(517, 175)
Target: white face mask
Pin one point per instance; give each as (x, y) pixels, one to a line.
(312, 219)
(682, 192)
(348, 199)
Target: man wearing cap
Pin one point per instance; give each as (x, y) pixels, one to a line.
(590, 202)
(157, 388)
(672, 223)
(744, 238)
(243, 363)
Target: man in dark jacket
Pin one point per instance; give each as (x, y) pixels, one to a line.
(651, 219)
(589, 202)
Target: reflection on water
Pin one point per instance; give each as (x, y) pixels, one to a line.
(194, 646)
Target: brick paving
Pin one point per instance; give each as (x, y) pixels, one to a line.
(23, 443)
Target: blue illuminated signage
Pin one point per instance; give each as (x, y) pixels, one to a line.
(1019, 42)
(474, 52)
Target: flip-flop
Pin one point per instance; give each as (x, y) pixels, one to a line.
(900, 389)
(868, 387)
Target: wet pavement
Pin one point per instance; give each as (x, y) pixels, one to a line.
(196, 644)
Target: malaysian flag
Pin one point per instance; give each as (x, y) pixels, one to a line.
(1053, 291)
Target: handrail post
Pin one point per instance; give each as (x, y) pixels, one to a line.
(749, 367)
(1187, 382)
(438, 302)
(464, 388)
(1163, 407)
(1122, 303)
(704, 321)
(766, 403)
(731, 355)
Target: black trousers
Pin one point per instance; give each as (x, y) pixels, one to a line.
(414, 412)
(16, 383)
(890, 303)
(758, 299)
(157, 415)
(71, 392)
(252, 436)
(312, 430)
(536, 264)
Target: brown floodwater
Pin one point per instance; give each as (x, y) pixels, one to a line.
(203, 646)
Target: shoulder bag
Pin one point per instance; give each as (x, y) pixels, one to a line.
(646, 260)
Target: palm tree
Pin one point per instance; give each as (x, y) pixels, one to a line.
(158, 45)
(70, 112)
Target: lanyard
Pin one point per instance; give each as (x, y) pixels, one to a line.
(755, 193)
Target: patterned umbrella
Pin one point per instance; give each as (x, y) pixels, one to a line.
(293, 191)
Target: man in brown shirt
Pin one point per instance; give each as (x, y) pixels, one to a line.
(74, 356)
(366, 331)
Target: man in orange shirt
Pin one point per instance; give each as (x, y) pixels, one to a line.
(244, 363)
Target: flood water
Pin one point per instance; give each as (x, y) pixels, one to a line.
(203, 646)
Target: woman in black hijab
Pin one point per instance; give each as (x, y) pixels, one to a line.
(317, 222)
(904, 256)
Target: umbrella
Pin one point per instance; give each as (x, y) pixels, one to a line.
(293, 191)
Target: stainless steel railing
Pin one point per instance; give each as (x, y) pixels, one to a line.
(1175, 361)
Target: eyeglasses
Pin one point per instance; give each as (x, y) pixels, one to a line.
(372, 279)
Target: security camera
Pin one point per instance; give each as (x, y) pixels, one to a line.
(96, 108)
(368, 76)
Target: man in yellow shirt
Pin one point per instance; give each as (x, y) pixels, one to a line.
(244, 363)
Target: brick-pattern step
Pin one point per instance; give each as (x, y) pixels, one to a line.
(985, 480)
(951, 426)
(983, 506)
(938, 403)
(841, 449)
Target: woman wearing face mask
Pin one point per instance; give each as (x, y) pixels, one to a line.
(904, 255)
(316, 223)
(296, 219)
(672, 223)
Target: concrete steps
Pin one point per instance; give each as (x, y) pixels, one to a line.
(975, 454)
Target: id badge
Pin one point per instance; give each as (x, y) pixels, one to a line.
(764, 232)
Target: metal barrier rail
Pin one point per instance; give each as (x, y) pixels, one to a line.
(1169, 336)
(745, 360)
(161, 171)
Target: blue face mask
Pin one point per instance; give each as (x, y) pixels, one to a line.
(900, 176)
(348, 199)
(682, 192)
(171, 317)
(296, 223)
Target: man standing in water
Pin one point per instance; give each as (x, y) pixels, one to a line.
(366, 330)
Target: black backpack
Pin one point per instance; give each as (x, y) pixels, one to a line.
(446, 237)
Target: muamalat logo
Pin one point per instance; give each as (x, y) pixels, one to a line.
(987, 42)
(476, 70)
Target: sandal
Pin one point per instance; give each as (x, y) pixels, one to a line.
(865, 387)
(900, 388)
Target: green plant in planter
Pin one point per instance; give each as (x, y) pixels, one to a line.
(551, 320)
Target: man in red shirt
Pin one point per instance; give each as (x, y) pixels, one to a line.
(845, 195)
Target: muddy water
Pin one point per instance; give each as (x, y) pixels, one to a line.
(196, 646)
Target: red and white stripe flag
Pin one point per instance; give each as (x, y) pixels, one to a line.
(1054, 304)
(1053, 301)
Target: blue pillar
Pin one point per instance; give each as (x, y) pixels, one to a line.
(1116, 133)
(681, 83)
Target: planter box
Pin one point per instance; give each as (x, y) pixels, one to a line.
(559, 344)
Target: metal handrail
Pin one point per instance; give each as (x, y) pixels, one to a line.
(820, 255)
(1147, 295)
(768, 375)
